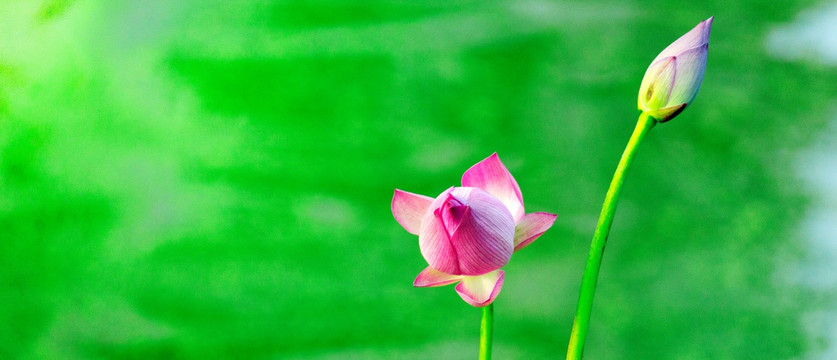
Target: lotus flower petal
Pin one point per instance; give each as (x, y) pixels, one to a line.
(485, 240)
(408, 209)
(668, 113)
(492, 176)
(531, 227)
(481, 290)
(698, 36)
(691, 65)
(453, 213)
(431, 277)
(467, 232)
(658, 83)
(434, 240)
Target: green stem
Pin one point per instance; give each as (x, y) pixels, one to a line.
(594, 258)
(486, 328)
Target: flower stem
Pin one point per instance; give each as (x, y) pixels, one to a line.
(594, 258)
(486, 329)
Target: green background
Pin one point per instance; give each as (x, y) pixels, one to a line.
(212, 179)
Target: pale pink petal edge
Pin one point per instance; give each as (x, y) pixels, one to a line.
(478, 296)
(408, 209)
(531, 227)
(431, 277)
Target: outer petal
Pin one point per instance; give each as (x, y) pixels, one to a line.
(657, 84)
(431, 277)
(691, 66)
(434, 239)
(408, 209)
(485, 239)
(492, 176)
(531, 227)
(667, 113)
(696, 37)
(481, 290)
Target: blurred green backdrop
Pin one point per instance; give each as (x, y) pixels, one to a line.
(211, 179)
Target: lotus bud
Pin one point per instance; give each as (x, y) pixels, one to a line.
(674, 77)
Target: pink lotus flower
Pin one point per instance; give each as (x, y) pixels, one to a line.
(674, 77)
(468, 233)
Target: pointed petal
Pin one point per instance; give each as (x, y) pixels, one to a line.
(691, 66)
(434, 239)
(481, 290)
(492, 176)
(484, 240)
(531, 227)
(696, 37)
(408, 209)
(431, 277)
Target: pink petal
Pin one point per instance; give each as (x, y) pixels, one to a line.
(531, 227)
(431, 277)
(434, 239)
(408, 209)
(481, 290)
(492, 176)
(477, 239)
(484, 240)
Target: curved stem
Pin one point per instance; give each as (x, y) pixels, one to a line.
(594, 258)
(486, 329)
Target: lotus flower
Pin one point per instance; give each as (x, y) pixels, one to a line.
(674, 77)
(468, 233)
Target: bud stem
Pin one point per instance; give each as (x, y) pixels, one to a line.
(594, 258)
(486, 331)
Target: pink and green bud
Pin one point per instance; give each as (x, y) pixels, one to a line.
(466, 234)
(674, 77)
